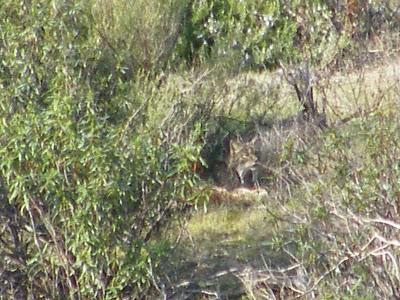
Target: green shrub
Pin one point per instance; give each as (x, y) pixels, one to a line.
(143, 33)
(93, 164)
(254, 33)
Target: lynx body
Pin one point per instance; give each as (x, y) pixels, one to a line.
(241, 161)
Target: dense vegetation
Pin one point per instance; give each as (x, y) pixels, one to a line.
(108, 106)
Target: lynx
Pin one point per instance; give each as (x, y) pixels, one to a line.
(241, 160)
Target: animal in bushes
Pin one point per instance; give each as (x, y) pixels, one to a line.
(241, 161)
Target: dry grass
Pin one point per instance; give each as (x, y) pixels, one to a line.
(287, 240)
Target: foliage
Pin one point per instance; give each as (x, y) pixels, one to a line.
(92, 164)
(142, 33)
(98, 149)
(255, 33)
(260, 34)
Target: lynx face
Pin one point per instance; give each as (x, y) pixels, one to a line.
(242, 160)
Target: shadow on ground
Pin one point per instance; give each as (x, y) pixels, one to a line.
(219, 249)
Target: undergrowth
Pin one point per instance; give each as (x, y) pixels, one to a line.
(113, 116)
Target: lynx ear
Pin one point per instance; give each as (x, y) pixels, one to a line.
(234, 146)
(254, 140)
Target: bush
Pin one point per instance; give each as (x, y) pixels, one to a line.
(92, 164)
(260, 34)
(142, 33)
(255, 33)
(97, 154)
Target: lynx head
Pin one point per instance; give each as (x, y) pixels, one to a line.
(242, 160)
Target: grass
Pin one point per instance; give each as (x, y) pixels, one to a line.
(102, 141)
(306, 227)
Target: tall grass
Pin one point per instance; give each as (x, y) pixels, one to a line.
(107, 108)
